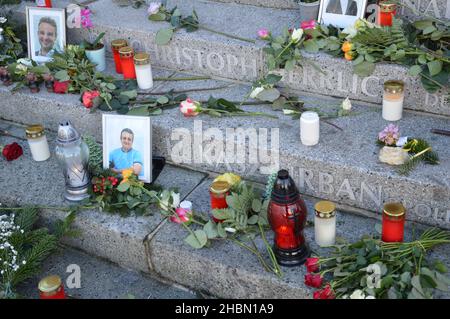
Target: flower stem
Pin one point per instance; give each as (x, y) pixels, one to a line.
(191, 78)
(218, 32)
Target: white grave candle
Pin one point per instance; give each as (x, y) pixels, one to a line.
(309, 128)
(37, 142)
(325, 223)
(393, 97)
(144, 76)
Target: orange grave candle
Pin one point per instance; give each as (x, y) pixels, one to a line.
(51, 287)
(115, 46)
(386, 12)
(393, 226)
(127, 62)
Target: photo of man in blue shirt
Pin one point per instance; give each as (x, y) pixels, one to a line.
(126, 156)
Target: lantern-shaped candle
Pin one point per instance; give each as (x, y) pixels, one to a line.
(115, 46)
(325, 223)
(393, 97)
(127, 62)
(393, 226)
(218, 194)
(37, 142)
(73, 156)
(51, 287)
(143, 69)
(386, 12)
(287, 216)
(309, 128)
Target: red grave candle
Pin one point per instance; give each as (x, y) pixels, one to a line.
(116, 45)
(393, 226)
(218, 193)
(386, 12)
(44, 3)
(127, 62)
(51, 287)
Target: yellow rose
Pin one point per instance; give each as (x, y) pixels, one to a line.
(126, 173)
(230, 178)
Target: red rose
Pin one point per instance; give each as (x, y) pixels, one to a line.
(88, 98)
(326, 293)
(12, 151)
(61, 87)
(312, 264)
(313, 280)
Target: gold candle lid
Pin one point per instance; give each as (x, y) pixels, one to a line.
(34, 131)
(119, 43)
(388, 7)
(219, 187)
(50, 284)
(141, 58)
(394, 86)
(394, 209)
(325, 209)
(126, 51)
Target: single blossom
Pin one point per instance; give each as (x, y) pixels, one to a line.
(346, 105)
(263, 33)
(88, 98)
(389, 135)
(190, 107)
(86, 18)
(153, 8)
(297, 35)
(256, 91)
(312, 264)
(61, 87)
(126, 174)
(3, 20)
(230, 229)
(181, 216)
(313, 280)
(305, 25)
(347, 46)
(12, 151)
(326, 293)
(289, 112)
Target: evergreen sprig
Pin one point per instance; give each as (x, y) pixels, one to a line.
(421, 151)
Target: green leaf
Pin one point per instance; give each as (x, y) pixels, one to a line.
(415, 70)
(273, 79)
(123, 99)
(256, 205)
(177, 13)
(139, 111)
(154, 112)
(164, 36)
(439, 266)
(162, 100)
(131, 94)
(423, 24)
(268, 95)
(422, 59)
(221, 231)
(290, 64)
(358, 60)
(311, 46)
(415, 282)
(62, 76)
(435, 67)
(160, 16)
(364, 69)
(253, 220)
(197, 240)
(429, 29)
(211, 229)
(360, 260)
(123, 187)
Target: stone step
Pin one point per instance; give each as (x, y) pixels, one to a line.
(207, 53)
(343, 167)
(100, 279)
(278, 4)
(133, 241)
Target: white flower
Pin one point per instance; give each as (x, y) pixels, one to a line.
(25, 61)
(3, 20)
(288, 112)
(256, 91)
(190, 107)
(346, 105)
(153, 8)
(297, 35)
(357, 294)
(175, 200)
(230, 230)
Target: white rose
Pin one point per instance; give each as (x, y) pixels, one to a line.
(288, 112)
(256, 91)
(347, 104)
(357, 294)
(3, 20)
(230, 229)
(297, 34)
(175, 200)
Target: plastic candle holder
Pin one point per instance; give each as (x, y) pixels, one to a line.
(386, 11)
(393, 226)
(325, 223)
(393, 97)
(37, 142)
(218, 194)
(126, 60)
(309, 128)
(143, 69)
(115, 46)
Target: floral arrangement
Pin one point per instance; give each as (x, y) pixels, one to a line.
(372, 269)
(158, 12)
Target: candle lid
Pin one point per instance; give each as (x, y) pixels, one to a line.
(284, 189)
(388, 7)
(50, 284)
(34, 131)
(310, 116)
(141, 58)
(126, 51)
(394, 209)
(394, 86)
(119, 43)
(219, 187)
(325, 209)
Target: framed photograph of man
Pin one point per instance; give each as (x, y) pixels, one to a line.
(46, 32)
(341, 13)
(127, 144)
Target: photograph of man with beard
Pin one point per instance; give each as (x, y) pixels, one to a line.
(47, 34)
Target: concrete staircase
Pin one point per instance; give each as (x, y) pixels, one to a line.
(343, 168)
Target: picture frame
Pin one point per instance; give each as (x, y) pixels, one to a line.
(46, 32)
(341, 13)
(127, 143)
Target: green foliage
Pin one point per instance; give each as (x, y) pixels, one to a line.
(11, 49)
(421, 151)
(155, 105)
(85, 44)
(95, 155)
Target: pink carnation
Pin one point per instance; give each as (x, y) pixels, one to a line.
(263, 33)
(311, 24)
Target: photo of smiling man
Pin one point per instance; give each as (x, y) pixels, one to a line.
(46, 33)
(126, 157)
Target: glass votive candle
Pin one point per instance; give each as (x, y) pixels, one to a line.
(218, 194)
(393, 224)
(116, 45)
(386, 12)
(51, 287)
(127, 62)
(143, 69)
(309, 128)
(325, 223)
(393, 97)
(37, 142)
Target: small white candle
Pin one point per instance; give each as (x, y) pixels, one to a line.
(186, 205)
(309, 128)
(144, 76)
(325, 223)
(38, 143)
(393, 98)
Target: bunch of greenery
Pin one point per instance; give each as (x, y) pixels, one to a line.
(155, 105)
(420, 151)
(11, 49)
(24, 247)
(19, 72)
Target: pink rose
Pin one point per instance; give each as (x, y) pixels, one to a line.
(311, 24)
(190, 107)
(88, 98)
(182, 216)
(263, 33)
